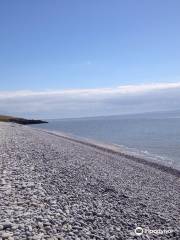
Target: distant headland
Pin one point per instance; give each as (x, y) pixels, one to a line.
(18, 120)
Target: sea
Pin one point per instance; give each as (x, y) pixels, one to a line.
(153, 136)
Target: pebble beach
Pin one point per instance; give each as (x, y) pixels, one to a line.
(56, 188)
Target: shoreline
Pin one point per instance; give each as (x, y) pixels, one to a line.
(113, 149)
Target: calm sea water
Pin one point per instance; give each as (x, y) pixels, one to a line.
(156, 136)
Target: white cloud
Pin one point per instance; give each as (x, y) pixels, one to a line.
(96, 91)
(86, 102)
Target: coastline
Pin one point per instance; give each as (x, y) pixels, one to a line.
(113, 149)
(56, 187)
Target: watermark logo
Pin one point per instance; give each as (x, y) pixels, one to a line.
(138, 231)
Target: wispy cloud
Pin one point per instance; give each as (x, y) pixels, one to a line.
(86, 102)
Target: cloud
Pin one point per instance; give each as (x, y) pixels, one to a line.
(89, 102)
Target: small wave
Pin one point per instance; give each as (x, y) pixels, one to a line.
(146, 155)
(134, 152)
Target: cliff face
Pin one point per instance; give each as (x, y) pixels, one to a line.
(20, 120)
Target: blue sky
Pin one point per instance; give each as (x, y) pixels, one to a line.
(48, 45)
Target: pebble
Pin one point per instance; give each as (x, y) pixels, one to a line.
(59, 189)
(6, 235)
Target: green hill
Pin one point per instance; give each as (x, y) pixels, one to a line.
(20, 120)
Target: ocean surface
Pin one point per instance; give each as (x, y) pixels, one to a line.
(155, 136)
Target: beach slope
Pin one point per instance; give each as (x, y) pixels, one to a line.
(57, 188)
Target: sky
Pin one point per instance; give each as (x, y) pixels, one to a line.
(66, 58)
